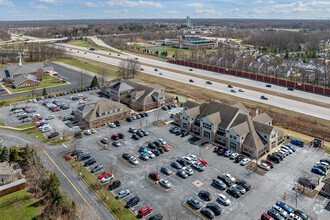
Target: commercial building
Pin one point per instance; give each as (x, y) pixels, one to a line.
(136, 94)
(230, 126)
(188, 21)
(191, 42)
(102, 112)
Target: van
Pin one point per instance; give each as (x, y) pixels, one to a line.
(132, 202)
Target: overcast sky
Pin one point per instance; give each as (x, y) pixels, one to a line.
(112, 9)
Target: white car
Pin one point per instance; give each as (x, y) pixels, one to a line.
(45, 129)
(263, 166)
(245, 161)
(287, 148)
(36, 115)
(228, 153)
(18, 110)
(150, 154)
(234, 155)
(322, 164)
(107, 178)
(162, 141)
(198, 166)
(88, 132)
(192, 156)
(82, 102)
(112, 125)
(228, 176)
(93, 130)
(133, 117)
(49, 117)
(283, 151)
(241, 90)
(281, 211)
(223, 199)
(188, 170)
(165, 183)
(133, 160)
(188, 160)
(294, 217)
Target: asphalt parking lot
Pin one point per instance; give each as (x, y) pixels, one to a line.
(265, 192)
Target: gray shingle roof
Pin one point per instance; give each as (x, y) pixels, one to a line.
(262, 118)
(22, 78)
(190, 104)
(263, 128)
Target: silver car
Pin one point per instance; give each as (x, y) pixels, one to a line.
(107, 178)
(150, 154)
(133, 160)
(122, 194)
(263, 166)
(165, 183)
(188, 170)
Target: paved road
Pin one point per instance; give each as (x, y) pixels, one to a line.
(273, 100)
(70, 181)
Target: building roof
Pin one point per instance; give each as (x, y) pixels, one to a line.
(24, 77)
(262, 118)
(190, 104)
(102, 109)
(5, 168)
(263, 128)
(215, 118)
(15, 183)
(253, 140)
(326, 179)
(242, 129)
(22, 69)
(193, 112)
(241, 106)
(121, 86)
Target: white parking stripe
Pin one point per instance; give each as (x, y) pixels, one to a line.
(64, 145)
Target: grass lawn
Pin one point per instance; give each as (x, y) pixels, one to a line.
(86, 65)
(47, 81)
(112, 203)
(27, 125)
(7, 101)
(2, 124)
(89, 44)
(18, 205)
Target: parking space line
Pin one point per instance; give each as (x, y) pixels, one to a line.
(64, 145)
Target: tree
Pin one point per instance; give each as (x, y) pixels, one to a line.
(13, 156)
(40, 73)
(103, 73)
(94, 83)
(4, 156)
(44, 92)
(129, 68)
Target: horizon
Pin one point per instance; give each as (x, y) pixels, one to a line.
(51, 10)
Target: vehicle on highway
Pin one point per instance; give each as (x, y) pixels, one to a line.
(160, 73)
(142, 69)
(191, 80)
(264, 97)
(144, 211)
(122, 194)
(209, 82)
(207, 213)
(290, 88)
(132, 202)
(223, 199)
(268, 85)
(194, 203)
(165, 183)
(230, 86)
(233, 91)
(114, 185)
(156, 69)
(98, 167)
(241, 90)
(190, 69)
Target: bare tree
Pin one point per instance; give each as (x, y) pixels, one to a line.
(40, 73)
(173, 212)
(85, 213)
(129, 67)
(83, 78)
(76, 142)
(103, 73)
(65, 131)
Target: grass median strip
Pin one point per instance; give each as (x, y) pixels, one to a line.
(116, 206)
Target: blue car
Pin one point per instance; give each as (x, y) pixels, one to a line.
(292, 148)
(317, 171)
(297, 142)
(146, 114)
(284, 206)
(143, 149)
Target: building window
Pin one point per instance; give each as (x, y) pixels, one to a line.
(265, 136)
(207, 134)
(95, 122)
(231, 136)
(207, 126)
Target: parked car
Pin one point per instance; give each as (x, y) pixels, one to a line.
(166, 170)
(144, 156)
(239, 158)
(182, 174)
(156, 217)
(274, 158)
(126, 156)
(269, 163)
(272, 212)
(89, 162)
(284, 206)
(223, 199)
(219, 184)
(54, 134)
(301, 214)
(78, 135)
(233, 156)
(239, 188)
(144, 211)
(132, 202)
(194, 203)
(281, 211)
(228, 153)
(136, 137)
(205, 195)
(215, 208)
(116, 144)
(122, 194)
(244, 184)
(98, 167)
(154, 175)
(198, 166)
(105, 140)
(133, 160)
(176, 165)
(263, 166)
(317, 171)
(150, 154)
(188, 170)
(207, 212)
(107, 178)
(104, 174)
(265, 216)
(234, 192)
(165, 183)
(114, 185)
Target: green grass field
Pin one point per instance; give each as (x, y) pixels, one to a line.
(89, 44)
(8, 101)
(2, 124)
(27, 125)
(47, 81)
(92, 68)
(18, 205)
(112, 203)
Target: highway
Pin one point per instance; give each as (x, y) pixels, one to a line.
(288, 104)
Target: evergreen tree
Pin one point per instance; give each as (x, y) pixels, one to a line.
(4, 154)
(13, 155)
(44, 92)
(94, 83)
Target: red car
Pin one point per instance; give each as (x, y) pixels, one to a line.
(165, 147)
(141, 69)
(203, 162)
(269, 163)
(2, 89)
(26, 107)
(115, 136)
(85, 98)
(37, 118)
(144, 211)
(265, 216)
(104, 174)
(191, 80)
(153, 175)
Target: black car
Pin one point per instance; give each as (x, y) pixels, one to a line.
(207, 212)
(234, 192)
(244, 184)
(290, 88)
(176, 165)
(221, 151)
(325, 160)
(89, 162)
(272, 212)
(282, 156)
(194, 203)
(161, 150)
(140, 133)
(184, 133)
(117, 123)
(230, 86)
(239, 158)
(84, 156)
(156, 217)
(129, 119)
(182, 174)
(121, 135)
(323, 168)
(301, 214)
(205, 195)
(136, 137)
(182, 162)
(114, 185)
(219, 184)
(158, 143)
(166, 170)
(274, 158)
(132, 202)
(126, 156)
(215, 208)
(156, 152)
(75, 152)
(169, 107)
(78, 135)
(54, 134)
(142, 115)
(152, 145)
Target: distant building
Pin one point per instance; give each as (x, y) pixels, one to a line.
(102, 112)
(191, 42)
(188, 21)
(230, 126)
(136, 94)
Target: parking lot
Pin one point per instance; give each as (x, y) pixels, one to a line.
(265, 192)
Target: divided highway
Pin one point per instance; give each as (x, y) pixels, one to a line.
(292, 105)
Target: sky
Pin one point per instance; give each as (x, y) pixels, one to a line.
(13, 10)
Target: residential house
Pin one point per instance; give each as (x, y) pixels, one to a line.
(136, 94)
(102, 112)
(231, 127)
(8, 171)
